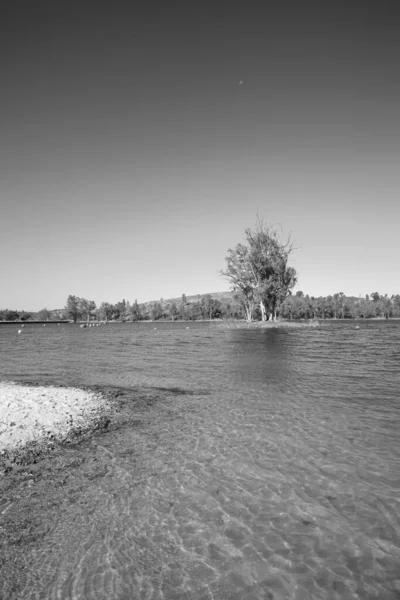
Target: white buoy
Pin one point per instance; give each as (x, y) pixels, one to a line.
(22, 325)
(19, 330)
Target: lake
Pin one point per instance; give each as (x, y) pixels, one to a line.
(246, 464)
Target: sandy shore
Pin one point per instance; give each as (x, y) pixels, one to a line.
(29, 413)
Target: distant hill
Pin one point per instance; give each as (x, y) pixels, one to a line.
(223, 297)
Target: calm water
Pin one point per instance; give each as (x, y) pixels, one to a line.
(268, 467)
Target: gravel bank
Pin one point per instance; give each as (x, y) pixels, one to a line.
(31, 413)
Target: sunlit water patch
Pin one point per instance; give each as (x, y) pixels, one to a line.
(243, 464)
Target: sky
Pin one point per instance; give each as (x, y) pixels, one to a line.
(138, 141)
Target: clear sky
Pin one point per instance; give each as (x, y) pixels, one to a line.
(132, 157)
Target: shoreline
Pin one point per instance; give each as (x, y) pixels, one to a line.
(98, 410)
(300, 322)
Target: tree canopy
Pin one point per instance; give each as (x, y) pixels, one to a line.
(72, 308)
(259, 272)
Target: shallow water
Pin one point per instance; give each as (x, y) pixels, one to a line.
(264, 464)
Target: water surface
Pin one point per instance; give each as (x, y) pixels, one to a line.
(252, 464)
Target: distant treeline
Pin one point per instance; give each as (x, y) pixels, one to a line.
(223, 305)
(339, 306)
(204, 307)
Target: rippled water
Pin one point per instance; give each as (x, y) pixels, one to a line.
(267, 467)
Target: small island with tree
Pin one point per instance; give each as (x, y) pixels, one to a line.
(259, 272)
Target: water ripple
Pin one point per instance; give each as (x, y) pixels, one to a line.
(245, 464)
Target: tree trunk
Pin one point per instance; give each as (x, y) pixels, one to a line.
(262, 308)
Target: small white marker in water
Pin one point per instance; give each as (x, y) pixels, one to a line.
(19, 330)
